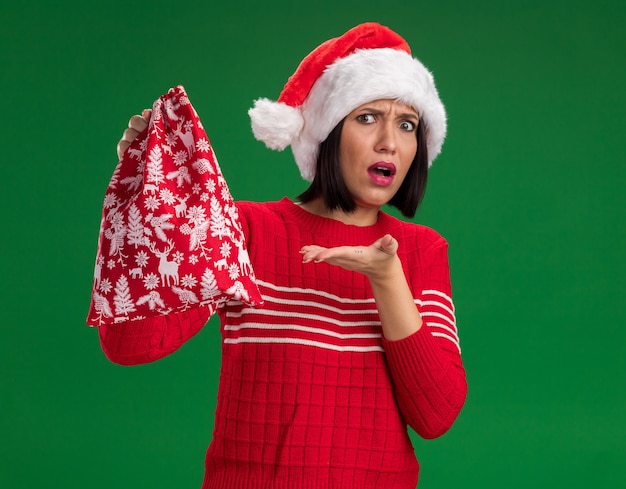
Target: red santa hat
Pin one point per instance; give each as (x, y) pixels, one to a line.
(369, 62)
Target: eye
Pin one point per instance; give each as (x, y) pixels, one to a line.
(366, 118)
(408, 126)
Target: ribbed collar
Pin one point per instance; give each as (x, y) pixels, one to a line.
(333, 228)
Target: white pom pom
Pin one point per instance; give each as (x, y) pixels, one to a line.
(275, 123)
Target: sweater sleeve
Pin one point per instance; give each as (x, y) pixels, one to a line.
(148, 340)
(426, 367)
(151, 339)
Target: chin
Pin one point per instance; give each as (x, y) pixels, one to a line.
(371, 203)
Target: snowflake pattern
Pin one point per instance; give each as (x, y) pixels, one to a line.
(167, 234)
(210, 186)
(110, 200)
(189, 281)
(151, 281)
(151, 203)
(117, 220)
(141, 259)
(196, 215)
(202, 145)
(180, 157)
(167, 196)
(233, 271)
(105, 286)
(170, 139)
(225, 249)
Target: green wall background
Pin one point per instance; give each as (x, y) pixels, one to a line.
(528, 191)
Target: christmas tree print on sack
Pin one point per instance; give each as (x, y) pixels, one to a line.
(170, 237)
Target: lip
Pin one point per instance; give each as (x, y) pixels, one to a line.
(382, 173)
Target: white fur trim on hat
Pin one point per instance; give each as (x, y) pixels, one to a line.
(275, 123)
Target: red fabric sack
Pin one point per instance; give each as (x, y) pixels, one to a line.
(170, 237)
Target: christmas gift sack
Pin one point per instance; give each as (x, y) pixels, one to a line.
(170, 237)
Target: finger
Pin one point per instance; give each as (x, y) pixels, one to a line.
(130, 134)
(311, 255)
(387, 244)
(308, 248)
(146, 114)
(309, 251)
(127, 138)
(138, 123)
(341, 255)
(319, 253)
(122, 146)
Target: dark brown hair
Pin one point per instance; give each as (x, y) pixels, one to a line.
(328, 181)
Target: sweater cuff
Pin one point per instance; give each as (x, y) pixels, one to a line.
(414, 353)
(417, 363)
(147, 340)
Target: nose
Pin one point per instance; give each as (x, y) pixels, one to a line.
(386, 138)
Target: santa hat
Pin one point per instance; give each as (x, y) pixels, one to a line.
(369, 62)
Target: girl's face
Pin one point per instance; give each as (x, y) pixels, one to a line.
(377, 146)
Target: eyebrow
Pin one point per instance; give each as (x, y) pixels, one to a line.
(404, 115)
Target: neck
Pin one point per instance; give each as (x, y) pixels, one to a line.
(362, 216)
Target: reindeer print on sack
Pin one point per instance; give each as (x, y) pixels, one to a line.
(185, 137)
(170, 238)
(167, 269)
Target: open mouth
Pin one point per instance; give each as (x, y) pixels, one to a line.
(385, 172)
(383, 169)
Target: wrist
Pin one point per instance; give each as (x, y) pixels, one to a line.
(387, 275)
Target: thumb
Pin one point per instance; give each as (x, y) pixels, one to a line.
(388, 244)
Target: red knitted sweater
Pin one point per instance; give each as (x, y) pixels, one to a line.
(311, 395)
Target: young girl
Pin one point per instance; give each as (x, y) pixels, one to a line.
(357, 336)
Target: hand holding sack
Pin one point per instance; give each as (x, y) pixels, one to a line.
(170, 238)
